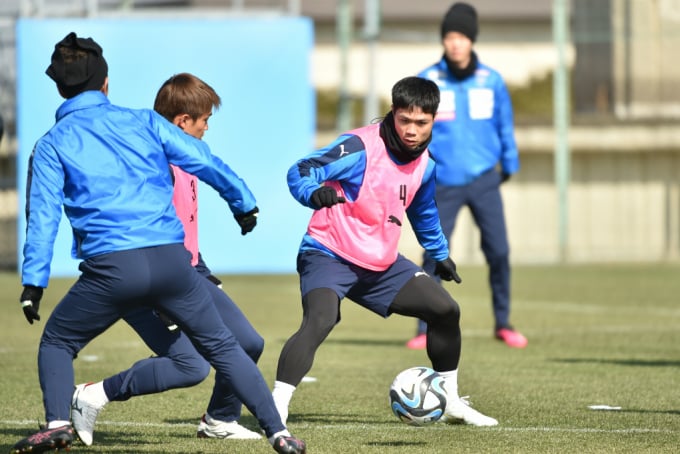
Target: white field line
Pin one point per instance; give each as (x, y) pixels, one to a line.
(34, 422)
(630, 430)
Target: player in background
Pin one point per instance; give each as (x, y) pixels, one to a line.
(361, 187)
(107, 167)
(187, 102)
(473, 135)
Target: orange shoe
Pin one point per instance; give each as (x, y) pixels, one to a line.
(512, 338)
(417, 343)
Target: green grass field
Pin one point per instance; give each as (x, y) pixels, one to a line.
(598, 335)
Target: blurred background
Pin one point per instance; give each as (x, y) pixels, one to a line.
(595, 85)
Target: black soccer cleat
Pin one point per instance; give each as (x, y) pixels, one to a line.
(289, 445)
(46, 440)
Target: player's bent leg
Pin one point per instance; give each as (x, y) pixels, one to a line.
(177, 364)
(320, 313)
(232, 316)
(423, 298)
(224, 406)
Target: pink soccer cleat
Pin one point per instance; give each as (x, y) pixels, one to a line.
(512, 338)
(417, 343)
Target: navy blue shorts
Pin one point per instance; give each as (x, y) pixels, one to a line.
(374, 290)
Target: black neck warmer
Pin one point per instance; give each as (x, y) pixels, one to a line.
(463, 73)
(394, 144)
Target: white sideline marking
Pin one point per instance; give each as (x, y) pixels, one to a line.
(89, 358)
(630, 430)
(440, 426)
(34, 422)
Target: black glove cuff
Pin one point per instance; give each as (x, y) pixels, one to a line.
(31, 293)
(240, 217)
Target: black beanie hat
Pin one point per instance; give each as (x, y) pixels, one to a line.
(461, 18)
(75, 74)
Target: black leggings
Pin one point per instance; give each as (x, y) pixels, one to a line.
(427, 300)
(421, 297)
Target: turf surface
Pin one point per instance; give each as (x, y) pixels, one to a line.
(598, 335)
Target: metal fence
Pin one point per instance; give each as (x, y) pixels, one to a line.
(625, 58)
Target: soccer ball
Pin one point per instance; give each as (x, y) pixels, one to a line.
(417, 396)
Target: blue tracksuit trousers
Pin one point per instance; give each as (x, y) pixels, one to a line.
(483, 197)
(112, 286)
(186, 366)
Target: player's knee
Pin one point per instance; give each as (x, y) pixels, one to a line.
(253, 347)
(320, 311)
(498, 258)
(424, 298)
(320, 326)
(442, 311)
(443, 308)
(451, 312)
(193, 370)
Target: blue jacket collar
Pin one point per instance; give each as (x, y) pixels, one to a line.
(85, 100)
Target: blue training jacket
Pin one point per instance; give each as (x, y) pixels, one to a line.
(344, 161)
(474, 127)
(108, 167)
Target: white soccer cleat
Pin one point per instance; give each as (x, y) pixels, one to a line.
(85, 406)
(214, 428)
(459, 411)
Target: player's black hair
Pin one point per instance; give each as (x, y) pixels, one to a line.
(412, 92)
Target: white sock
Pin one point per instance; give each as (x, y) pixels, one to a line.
(282, 394)
(450, 383)
(57, 423)
(210, 420)
(96, 390)
(273, 438)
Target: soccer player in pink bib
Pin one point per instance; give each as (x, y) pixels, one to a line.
(362, 187)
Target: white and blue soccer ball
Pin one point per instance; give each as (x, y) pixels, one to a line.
(417, 396)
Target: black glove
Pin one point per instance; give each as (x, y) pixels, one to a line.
(30, 302)
(247, 221)
(505, 177)
(214, 280)
(325, 196)
(446, 269)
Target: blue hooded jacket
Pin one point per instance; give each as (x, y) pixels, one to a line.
(474, 126)
(107, 166)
